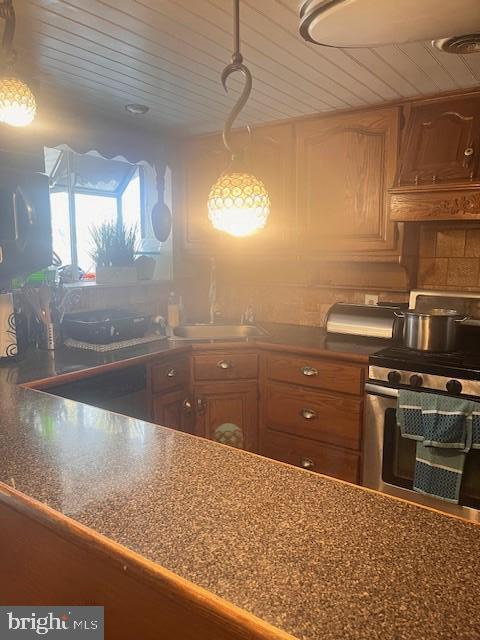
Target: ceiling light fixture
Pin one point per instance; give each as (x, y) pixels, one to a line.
(371, 23)
(137, 109)
(238, 202)
(17, 102)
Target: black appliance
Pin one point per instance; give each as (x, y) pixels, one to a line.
(105, 325)
(25, 223)
(123, 391)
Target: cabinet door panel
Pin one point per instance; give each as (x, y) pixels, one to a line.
(439, 136)
(345, 164)
(269, 155)
(204, 160)
(227, 413)
(174, 410)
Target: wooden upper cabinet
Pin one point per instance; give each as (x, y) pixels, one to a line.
(204, 159)
(442, 142)
(345, 164)
(270, 155)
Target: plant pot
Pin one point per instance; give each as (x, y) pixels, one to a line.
(145, 266)
(116, 275)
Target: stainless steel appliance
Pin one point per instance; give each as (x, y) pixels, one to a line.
(389, 459)
(364, 320)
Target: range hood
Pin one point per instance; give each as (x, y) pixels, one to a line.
(453, 25)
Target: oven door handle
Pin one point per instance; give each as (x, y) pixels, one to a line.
(378, 390)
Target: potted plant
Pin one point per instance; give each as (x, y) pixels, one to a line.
(114, 253)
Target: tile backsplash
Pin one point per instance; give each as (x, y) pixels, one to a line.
(449, 257)
(300, 292)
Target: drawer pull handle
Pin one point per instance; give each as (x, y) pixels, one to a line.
(308, 414)
(172, 373)
(309, 371)
(307, 463)
(224, 364)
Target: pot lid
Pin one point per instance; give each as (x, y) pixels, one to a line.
(369, 23)
(442, 313)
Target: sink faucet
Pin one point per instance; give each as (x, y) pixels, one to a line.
(212, 290)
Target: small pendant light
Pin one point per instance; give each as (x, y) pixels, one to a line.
(17, 102)
(238, 203)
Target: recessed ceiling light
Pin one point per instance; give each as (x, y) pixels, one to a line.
(137, 109)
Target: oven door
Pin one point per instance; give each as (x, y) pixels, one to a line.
(389, 459)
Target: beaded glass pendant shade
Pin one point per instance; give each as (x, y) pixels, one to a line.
(17, 102)
(238, 204)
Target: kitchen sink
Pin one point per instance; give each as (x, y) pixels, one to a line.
(218, 331)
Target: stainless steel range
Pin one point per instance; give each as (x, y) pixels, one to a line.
(389, 459)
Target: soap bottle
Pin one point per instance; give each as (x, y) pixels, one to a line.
(173, 313)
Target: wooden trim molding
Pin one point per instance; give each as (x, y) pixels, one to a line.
(435, 202)
(48, 559)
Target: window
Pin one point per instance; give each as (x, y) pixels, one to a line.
(88, 190)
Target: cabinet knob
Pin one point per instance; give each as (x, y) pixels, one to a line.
(187, 407)
(308, 414)
(468, 156)
(201, 406)
(309, 371)
(307, 463)
(224, 364)
(172, 373)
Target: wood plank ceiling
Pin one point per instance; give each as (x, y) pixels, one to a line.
(168, 55)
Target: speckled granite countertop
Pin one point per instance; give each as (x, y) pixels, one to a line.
(38, 365)
(315, 557)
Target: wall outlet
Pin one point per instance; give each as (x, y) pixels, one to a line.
(371, 298)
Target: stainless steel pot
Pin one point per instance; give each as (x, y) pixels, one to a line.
(434, 330)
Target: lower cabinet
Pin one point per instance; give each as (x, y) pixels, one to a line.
(227, 412)
(309, 414)
(311, 455)
(174, 409)
(312, 414)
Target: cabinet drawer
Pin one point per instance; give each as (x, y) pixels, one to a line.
(335, 419)
(169, 374)
(314, 372)
(311, 455)
(225, 366)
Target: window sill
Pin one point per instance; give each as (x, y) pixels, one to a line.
(95, 285)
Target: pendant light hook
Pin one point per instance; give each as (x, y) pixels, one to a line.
(235, 66)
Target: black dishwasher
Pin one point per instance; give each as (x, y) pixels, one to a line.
(123, 391)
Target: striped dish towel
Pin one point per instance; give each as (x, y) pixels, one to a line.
(445, 428)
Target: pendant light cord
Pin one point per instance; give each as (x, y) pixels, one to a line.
(7, 12)
(233, 67)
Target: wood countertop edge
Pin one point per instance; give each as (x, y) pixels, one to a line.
(241, 624)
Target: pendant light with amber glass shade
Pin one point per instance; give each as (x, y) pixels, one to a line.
(238, 202)
(17, 102)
